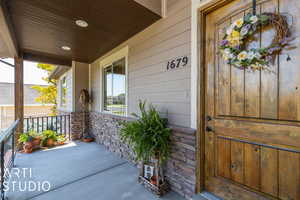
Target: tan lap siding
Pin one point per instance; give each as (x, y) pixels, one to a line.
(149, 53)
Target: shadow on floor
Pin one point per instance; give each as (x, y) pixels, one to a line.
(76, 171)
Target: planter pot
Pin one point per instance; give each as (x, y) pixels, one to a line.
(153, 180)
(36, 141)
(50, 142)
(60, 143)
(158, 189)
(156, 183)
(28, 147)
(88, 139)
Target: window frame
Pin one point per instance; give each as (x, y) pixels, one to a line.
(63, 103)
(111, 64)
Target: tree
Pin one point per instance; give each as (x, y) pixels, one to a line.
(47, 94)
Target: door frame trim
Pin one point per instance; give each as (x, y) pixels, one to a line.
(202, 12)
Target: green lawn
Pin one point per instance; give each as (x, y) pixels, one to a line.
(116, 106)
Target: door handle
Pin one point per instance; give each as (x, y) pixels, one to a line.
(209, 129)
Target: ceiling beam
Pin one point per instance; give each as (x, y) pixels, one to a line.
(46, 59)
(7, 31)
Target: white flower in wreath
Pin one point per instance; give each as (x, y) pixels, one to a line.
(253, 19)
(245, 29)
(227, 51)
(230, 29)
(231, 56)
(251, 55)
(257, 55)
(239, 23)
(227, 54)
(242, 56)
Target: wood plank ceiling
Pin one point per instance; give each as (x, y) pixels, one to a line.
(42, 27)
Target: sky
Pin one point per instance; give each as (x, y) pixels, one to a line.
(32, 74)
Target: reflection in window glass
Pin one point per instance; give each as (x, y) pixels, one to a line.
(114, 88)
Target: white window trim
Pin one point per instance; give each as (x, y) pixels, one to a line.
(195, 60)
(61, 91)
(107, 61)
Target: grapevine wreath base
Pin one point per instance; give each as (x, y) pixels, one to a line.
(233, 46)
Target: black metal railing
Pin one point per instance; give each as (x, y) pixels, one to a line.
(59, 123)
(7, 146)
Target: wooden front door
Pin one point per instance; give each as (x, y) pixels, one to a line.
(252, 137)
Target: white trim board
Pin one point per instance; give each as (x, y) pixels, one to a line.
(195, 59)
(108, 60)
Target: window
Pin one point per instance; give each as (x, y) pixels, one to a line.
(63, 87)
(115, 88)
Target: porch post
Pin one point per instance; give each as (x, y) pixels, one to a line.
(19, 94)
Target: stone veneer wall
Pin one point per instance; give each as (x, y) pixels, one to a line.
(105, 128)
(76, 123)
(77, 119)
(180, 169)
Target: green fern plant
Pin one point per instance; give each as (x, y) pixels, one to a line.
(48, 134)
(25, 137)
(148, 136)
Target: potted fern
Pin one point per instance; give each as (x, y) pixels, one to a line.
(49, 138)
(37, 138)
(149, 138)
(26, 140)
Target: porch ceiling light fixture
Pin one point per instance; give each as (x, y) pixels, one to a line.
(81, 23)
(66, 48)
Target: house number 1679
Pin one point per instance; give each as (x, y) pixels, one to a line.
(178, 62)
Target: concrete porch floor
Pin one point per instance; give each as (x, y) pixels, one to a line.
(80, 171)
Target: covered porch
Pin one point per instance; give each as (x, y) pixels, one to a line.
(65, 33)
(79, 171)
(235, 129)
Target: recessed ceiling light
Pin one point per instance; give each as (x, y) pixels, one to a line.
(66, 48)
(81, 23)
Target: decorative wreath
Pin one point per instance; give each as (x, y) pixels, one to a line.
(233, 45)
(84, 98)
